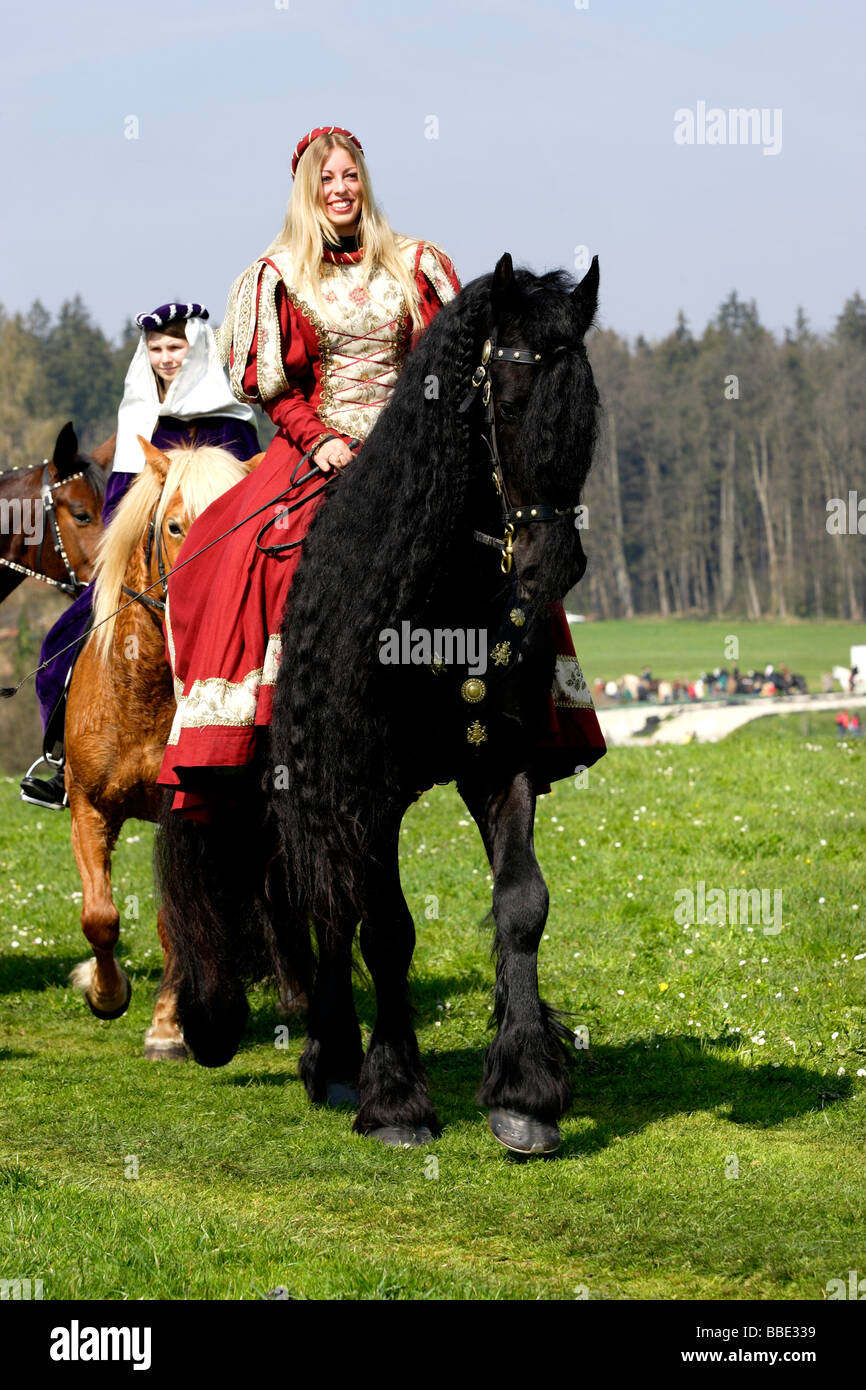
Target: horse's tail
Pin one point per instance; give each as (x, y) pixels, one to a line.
(226, 911)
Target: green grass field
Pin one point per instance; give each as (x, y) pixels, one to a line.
(715, 1145)
(683, 647)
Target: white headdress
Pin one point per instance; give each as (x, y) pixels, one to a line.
(200, 388)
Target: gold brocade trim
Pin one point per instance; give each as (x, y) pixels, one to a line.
(238, 328)
(570, 690)
(270, 369)
(431, 265)
(217, 703)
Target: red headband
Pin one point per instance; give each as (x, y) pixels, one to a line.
(321, 130)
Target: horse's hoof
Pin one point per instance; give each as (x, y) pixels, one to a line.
(81, 977)
(522, 1134)
(402, 1136)
(343, 1093)
(165, 1050)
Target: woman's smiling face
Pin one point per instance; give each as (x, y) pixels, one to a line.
(341, 191)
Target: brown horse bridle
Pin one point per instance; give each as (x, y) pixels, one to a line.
(72, 585)
(512, 516)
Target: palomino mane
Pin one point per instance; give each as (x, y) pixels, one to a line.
(200, 475)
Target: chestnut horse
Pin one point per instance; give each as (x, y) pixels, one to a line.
(121, 705)
(52, 517)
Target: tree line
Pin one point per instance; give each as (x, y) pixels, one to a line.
(722, 470)
(728, 478)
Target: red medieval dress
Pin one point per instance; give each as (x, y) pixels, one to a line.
(314, 373)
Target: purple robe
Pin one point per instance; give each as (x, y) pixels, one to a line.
(238, 437)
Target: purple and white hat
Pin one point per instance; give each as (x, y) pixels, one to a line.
(158, 318)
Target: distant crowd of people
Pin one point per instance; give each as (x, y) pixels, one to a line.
(774, 680)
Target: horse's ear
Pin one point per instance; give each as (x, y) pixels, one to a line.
(65, 451)
(154, 459)
(584, 298)
(502, 285)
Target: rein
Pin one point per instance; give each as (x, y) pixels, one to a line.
(512, 516)
(72, 585)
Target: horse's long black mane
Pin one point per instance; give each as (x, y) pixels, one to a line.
(378, 546)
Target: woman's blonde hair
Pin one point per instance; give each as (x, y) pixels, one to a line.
(307, 224)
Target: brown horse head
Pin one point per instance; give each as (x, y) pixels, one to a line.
(77, 482)
(60, 497)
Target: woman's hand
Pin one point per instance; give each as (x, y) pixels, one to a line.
(334, 453)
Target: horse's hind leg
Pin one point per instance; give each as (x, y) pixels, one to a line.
(105, 986)
(331, 1062)
(395, 1103)
(163, 1040)
(525, 1081)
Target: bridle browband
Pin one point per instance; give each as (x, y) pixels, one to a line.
(527, 513)
(72, 585)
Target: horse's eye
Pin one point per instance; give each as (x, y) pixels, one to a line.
(83, 518)
(175, 529)
(510, 412)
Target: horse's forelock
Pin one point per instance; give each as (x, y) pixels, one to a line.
(200, 476)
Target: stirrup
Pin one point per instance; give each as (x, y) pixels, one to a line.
(32, 801)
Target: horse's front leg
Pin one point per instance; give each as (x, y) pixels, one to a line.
(105, 986)
(395, 1103)
(525, 1081)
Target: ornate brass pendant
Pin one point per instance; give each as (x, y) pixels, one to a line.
(501, 653)
(476, 733)
(518, 617)
(473, 690)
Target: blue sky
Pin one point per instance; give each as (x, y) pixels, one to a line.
(555, 130)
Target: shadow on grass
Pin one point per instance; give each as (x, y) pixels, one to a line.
(624, 1089)
(21, 972)
(265, 1078)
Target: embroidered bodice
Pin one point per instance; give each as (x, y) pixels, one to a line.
(333, 366)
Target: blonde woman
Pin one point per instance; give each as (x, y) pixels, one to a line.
(316, 331)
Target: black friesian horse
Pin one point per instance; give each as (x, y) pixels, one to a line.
(490, 430)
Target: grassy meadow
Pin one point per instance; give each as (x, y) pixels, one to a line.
(681, 648)
(714, 1149)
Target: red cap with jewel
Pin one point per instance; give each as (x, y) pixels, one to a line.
(321, 130)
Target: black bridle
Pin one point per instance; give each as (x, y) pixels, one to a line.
(527, 513)
(72, 585)
(156, 605)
